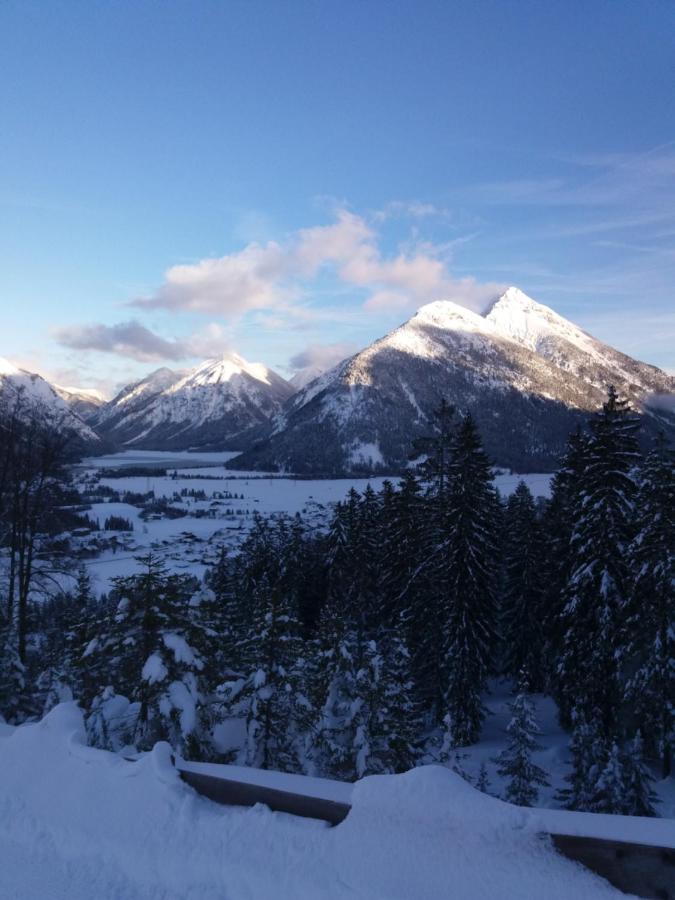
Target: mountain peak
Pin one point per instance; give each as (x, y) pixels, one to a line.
(513, 296)
(533, 325)
(224, 368)
(8, 368)
(448, 314)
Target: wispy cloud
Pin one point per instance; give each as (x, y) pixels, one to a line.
(321, 356)
(278, 279)
(412, 209)
(133, 340)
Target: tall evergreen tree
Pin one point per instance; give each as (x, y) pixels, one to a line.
(598, 584)
(368, 721)
(225, 615)
(559, 522)
(649, 612)
(589, 752)
(523, 591)
(12, 675)
(466, 581)
(267, 694)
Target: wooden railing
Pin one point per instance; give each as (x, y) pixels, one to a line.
(640, 869)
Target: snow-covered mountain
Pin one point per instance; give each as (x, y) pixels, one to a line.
(37, 393)
(85, 402)
(303, 377)
(118, 417)
(528, 376)
(223, 403)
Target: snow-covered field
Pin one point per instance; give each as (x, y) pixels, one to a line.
(190, 543)
(78, 824)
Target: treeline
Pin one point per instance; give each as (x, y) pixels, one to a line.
(35, 504)
(367, 646)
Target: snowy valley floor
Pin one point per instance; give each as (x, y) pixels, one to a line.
(83, 824)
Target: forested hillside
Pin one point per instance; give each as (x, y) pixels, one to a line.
(368, 645)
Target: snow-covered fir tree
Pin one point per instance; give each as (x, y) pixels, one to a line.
(266, 694)
(368, 721)
(559, 521)
(407, 571)
(12, 675)
(599, 584)
(224, 612)
(650, 610)
(608, 795)
(589, 751)
(465, 581)
(523, 591)
(150, 658)
(623, 786)
(638, 797)
(515, 761)
(483, 780)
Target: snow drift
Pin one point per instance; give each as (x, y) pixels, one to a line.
(78, 823)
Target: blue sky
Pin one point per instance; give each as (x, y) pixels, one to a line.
(292, 179)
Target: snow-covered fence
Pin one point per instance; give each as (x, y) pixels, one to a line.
(232, 792)
(634, 868)
(644, 869)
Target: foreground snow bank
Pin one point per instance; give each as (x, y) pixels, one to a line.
(77, 823)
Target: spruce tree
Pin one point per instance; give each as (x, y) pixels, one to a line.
(368, 721)
(515, 761)
(401, 713)
(638, 796)
(589, 751)
(466, 582)
(523, 591)
(598, 584)
(559, 522)
(12, 676)
(650, 609)
(266, 696)
(408, 570)
(329, 692)
(483, 780)
(608, 796)
(148, 656)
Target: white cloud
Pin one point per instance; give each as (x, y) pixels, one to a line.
(229, 285)
(134, 341)
(130, 339)
(321, 356)
(348, 238)
(272, 279)
(411, 209)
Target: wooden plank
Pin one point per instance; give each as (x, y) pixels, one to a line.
(632, 868)
(239, 793)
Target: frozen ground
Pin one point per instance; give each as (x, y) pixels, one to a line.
(78, 823)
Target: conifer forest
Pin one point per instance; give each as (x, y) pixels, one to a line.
(368, 643)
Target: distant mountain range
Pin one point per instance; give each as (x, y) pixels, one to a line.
(221, 404)
(58, 406)
(528, 376)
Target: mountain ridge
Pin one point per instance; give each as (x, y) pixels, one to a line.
(39, 394)
(527, 374)
(216, 404)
